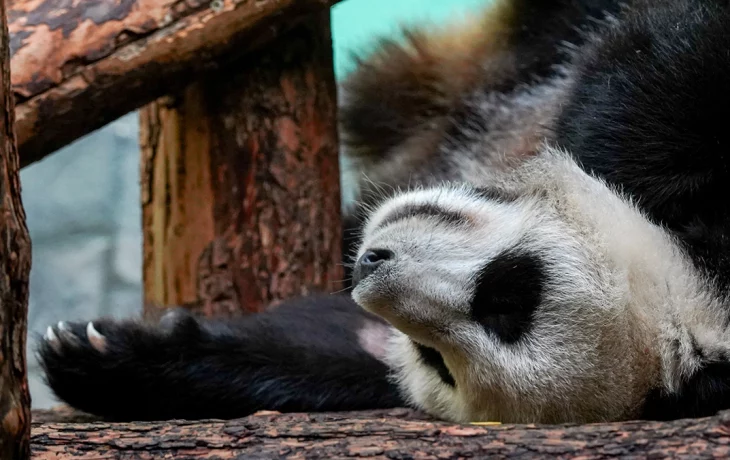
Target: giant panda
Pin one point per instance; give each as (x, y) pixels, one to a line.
(542, 235)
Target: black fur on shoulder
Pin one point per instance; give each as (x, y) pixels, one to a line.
(302, 356)
(648, 113)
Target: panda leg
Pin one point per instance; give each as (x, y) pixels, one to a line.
(311, 354)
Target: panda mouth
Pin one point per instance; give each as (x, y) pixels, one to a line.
(434, 360)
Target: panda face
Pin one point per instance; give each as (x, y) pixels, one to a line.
(525, 301)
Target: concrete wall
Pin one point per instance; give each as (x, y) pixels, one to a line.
(84, 219)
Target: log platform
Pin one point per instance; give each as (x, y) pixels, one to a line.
(387, 434)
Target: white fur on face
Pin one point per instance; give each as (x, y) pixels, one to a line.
(617, 292)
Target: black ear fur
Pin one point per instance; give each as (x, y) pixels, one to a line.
(403, 89)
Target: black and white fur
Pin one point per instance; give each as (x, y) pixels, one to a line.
(557, 251)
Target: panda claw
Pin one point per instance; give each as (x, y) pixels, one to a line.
(50, 335)
(65, 334)
(96, 340)
(52, 339)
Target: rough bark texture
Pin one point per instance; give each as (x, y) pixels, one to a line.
(240, 181)
(14, 272)
(395, 434)
(79, 65)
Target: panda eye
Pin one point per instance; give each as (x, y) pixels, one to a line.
(496, 194)
(508, 291)
(425, 210)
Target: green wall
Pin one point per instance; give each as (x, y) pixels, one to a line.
(355, 22)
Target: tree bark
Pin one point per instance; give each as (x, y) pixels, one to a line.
(14, 272)
(394, 434)
(240, 181)
(80, 65)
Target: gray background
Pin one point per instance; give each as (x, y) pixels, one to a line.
(84, 217)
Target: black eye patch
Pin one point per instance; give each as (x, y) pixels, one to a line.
(508, 291)
(425, 210)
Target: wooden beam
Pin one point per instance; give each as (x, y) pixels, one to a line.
(240, 181)
(80, 65)
(14, 271)
(394, 434)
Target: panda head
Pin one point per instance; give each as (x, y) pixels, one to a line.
(548, 300)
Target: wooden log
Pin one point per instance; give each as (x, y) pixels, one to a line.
(394, 434)
(80, 65)
(240, 181)
(15, 259)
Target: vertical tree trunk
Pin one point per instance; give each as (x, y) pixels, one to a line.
(240, 181)
(14, 272)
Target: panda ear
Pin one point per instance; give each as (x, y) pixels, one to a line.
(705, 393)
(407, 86)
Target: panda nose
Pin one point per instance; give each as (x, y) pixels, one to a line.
(373, 259)
(369, 262)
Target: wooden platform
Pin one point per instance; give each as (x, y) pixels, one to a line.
(391, 434)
